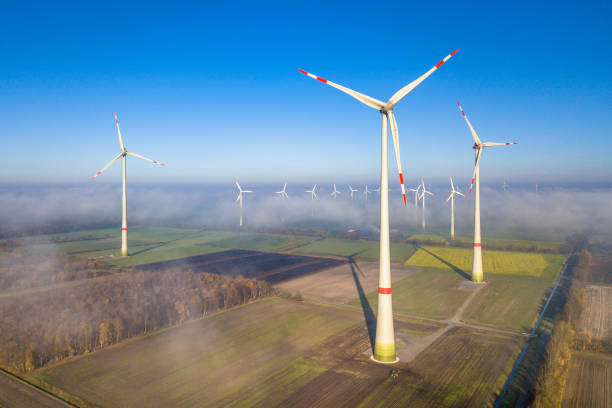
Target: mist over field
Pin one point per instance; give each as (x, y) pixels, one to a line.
(548, 212)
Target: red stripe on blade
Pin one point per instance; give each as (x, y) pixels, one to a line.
(439, 64)
(384, 291)
(99, 173)
(401, 178)
(404, 198)
(302, 71)
(453, 53)
(322, 80)
(477, 244)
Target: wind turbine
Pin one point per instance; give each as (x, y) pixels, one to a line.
(422, 197)
(478, 149)
(313, 195)
(283, 192)
(123, 155)
(505, 186)
(452, 198)
(384, 345)
(416, 203)
(352, 191)
(335, 192)
(239, 198)
(366, 192)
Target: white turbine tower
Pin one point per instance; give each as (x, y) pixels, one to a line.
(416, 203)
(366, 192)
(283, 192)
(123, 154)
(335, 192)
(384, 345)
(422, 197)
(452, 198)
(479, 146)
(352, 191)
(239, 198)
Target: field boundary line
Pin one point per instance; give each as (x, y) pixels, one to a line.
(38, 388)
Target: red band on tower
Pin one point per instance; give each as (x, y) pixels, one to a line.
(477, 244)
(123, 229)
(384, 291)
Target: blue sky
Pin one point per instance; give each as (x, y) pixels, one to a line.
(214, 91)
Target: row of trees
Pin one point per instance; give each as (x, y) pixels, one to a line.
(31, 266)
(553, 371)
(56, 324)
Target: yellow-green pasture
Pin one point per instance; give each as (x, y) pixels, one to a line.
(494, 262)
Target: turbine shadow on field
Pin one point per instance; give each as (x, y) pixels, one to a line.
(450, 265)
(368, 313)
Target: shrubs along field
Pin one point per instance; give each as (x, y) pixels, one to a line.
(494, 262)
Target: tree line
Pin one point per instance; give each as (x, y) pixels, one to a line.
(56, 324)
(565, 337)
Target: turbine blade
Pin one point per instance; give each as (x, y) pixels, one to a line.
(238, 185)
(487, 144)
(449, 197)
(461, 194)
(119, 132)
(395, 135)
(107, 166)
(452, 185)
(408, 88)
(479, 155)
(368, 100)
(144, 158)
(474, 135)
(238, 198)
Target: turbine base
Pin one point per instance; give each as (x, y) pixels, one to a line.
(384, 353)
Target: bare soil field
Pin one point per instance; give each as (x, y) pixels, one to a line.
(596, 314)
(340, 284)
(234, 358)
(271, 267)
(600, 271)
(589, 382)
(458, 370)
(14, 393)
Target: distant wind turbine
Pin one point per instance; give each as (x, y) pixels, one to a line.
(366, 192)
(239, 198)
(452, 198)
(422, 197)
(478, 149)
(352, 191)
(123, 154)
(313, 195)
(335, 192)
(283, 192)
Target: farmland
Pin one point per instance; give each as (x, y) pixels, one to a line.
(427, 292)
(259, 346)
(357, 248)
(589, 381)
(509, 302)
(343, 283)
(271, 267)
(494, 262)
(596, 315)
(284, 353)
(456, 371)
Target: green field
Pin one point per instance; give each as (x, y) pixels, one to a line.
(234, 358)
(509, 302)
(156, 244)
(493, 262)
(429, 292)
(357, 248)
(504, 244)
